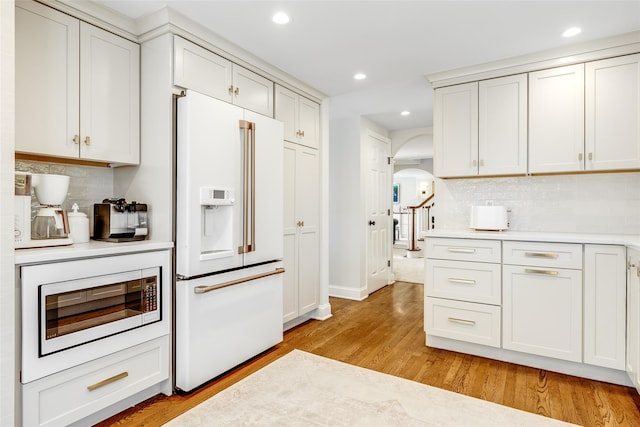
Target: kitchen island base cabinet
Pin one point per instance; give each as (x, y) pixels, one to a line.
(80, 393)
(633, 317)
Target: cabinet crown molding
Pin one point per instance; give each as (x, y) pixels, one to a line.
(622, 44)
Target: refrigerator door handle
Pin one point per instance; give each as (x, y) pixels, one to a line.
(205, 289)
(248, 214)
(252, 242)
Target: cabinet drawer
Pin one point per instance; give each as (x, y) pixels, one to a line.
(463, 249)
(464, 281)
(464, 321)
(554, 255)
(76, 393)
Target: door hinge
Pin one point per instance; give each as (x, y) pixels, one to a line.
(388, 212)
(388, 263)
(388, 160)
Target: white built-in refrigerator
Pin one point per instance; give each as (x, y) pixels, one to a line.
(229, 244)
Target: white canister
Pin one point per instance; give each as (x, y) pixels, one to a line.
(78, 225)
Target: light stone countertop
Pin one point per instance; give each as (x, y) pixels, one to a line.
(92, 249)
(629, 240)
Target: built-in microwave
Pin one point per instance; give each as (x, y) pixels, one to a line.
(76, 312)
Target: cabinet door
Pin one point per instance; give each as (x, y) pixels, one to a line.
(252, 91)
(633, 317)
(301, 230)
(201, 70)
(307, 212)
(110, 97)
(309, 122)
(502, 139)
(47, 75)
(556, 119)
(290, 257)
(612, 135)
(604, 305)
(455, 130)
(542, 311)
(286, 110)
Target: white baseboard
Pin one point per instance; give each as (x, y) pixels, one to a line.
(323, 312)
(348, 293)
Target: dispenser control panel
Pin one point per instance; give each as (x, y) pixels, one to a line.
(210, 196)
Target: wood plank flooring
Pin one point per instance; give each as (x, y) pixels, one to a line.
(385, 333)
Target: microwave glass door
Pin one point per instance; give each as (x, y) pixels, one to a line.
(73, 313)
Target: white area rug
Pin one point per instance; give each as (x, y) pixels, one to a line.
(302, 389)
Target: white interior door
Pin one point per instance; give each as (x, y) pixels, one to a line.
(378, 207)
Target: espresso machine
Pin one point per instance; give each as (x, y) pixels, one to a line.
(50, 227)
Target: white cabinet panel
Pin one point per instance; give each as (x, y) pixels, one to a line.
(201, 70)
(301, 231)
(604, 305)
(612, 103)
(109, 97)
(464, 249)
(464, 281)
(464, 321)
(455, 130)
(542, 311)
(633, 317)
(502, 140)
(300, 115)
(556, 119)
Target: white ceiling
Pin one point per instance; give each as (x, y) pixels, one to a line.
(396, 43)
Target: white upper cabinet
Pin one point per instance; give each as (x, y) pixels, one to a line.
(201, 70)
(301, 117)
(79, 84)
(556, 119)
(503, 126)
(455, 130)
(612, 104)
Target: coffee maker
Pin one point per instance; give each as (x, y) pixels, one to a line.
(50, 227)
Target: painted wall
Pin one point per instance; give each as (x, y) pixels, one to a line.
(8, 382)
(581, 203)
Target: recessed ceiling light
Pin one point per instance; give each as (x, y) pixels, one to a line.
(280, 18)
(360, 76)
(405, 113)
(573, 31)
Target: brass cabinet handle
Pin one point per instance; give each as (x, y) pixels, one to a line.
(461, 281)
(580, 156)
(462, 250)
(540, 255)
(590, 155)
(474, 163)
(463, 321)
(87, 140)
(549, 272)
(230, 89)
(108, 381)
(76, 139)
(237, 91)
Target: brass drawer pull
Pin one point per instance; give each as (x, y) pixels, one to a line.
(462, 250)
(108, 381)
(462, 281)
(463, 321)
(549, 272)
(540, 255)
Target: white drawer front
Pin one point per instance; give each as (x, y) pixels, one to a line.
(464, 321)
(463, 249)
(76, 393)
(555, 255)
(464, 281)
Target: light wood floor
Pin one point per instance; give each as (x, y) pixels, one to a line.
(385, 333)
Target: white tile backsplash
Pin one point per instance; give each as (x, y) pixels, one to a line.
(582, 203)
(87, 184)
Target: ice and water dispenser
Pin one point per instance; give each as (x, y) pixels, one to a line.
(217, 207)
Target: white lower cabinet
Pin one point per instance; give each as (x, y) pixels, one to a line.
(542, 311)
(463, 290)
(633, 317)
(604, 305)
(76, 393)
